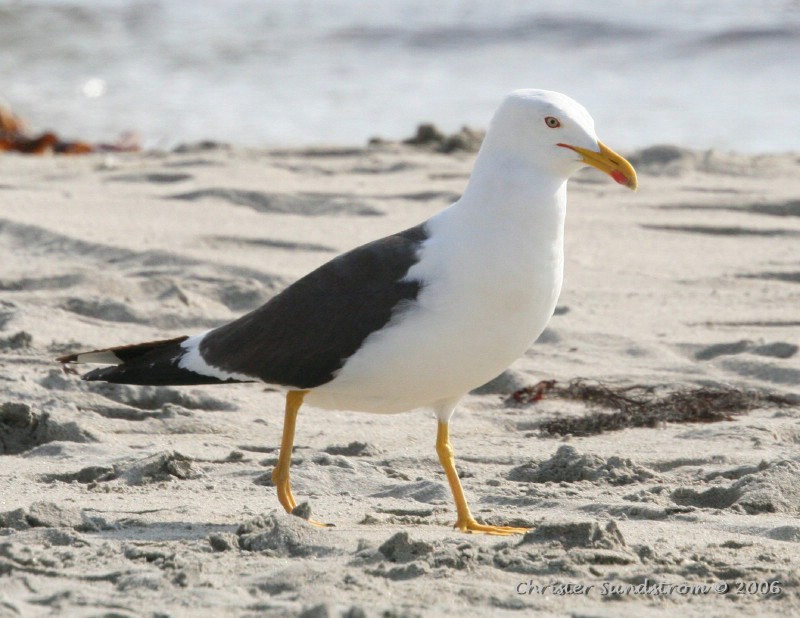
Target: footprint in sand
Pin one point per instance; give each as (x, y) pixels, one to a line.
(152, 177)
(720, 230)
(788, 208)
(777, 349)
(730, 360)
(787, 277)
(303, 204)
(267, 243)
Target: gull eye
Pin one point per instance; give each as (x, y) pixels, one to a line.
(552, 122)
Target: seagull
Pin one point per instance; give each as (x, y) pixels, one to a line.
(416, 319)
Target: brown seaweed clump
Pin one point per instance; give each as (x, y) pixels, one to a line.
(14, 137)
(642, 406)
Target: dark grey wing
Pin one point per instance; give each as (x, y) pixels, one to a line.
(302, 336)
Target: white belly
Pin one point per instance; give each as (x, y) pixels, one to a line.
(480, 308)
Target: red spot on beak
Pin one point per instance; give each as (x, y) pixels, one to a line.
(619, 177)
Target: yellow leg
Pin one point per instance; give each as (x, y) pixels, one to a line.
(280, 476)
(465, 522)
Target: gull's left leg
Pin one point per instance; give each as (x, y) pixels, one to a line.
(465, 522)
(280, 476)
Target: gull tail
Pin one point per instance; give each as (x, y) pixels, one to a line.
(156, 363)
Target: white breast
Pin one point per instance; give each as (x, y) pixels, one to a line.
(490, 284)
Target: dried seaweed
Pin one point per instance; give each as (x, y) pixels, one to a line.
(14, 137)
(642, 406)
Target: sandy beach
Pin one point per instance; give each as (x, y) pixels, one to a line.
(659, 473)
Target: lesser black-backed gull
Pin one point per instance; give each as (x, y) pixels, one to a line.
(416, 319)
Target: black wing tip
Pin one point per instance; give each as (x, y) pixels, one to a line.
(124, 353)
(166, 374)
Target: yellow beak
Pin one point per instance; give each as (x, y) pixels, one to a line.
(609, 162)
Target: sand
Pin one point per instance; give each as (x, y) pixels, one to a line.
(142, 501)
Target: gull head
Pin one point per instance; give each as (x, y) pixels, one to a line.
(554, 134)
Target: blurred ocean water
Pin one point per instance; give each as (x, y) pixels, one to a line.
(719, 73)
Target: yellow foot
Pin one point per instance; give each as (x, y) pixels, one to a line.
(320, 524)
(471, 526)
(303, 511)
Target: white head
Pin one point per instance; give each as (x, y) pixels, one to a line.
(554, 134)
